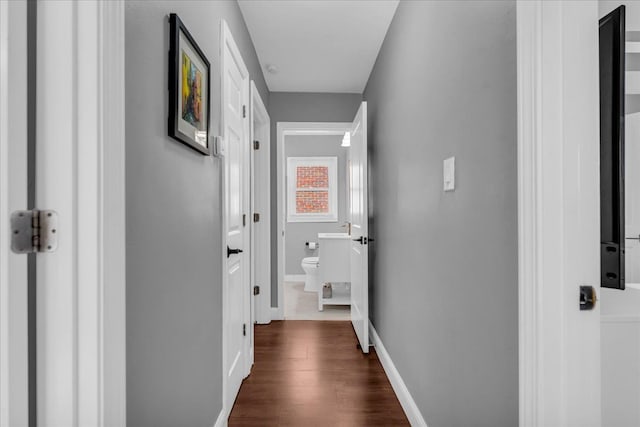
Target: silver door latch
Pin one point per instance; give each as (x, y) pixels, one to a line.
(34, 231)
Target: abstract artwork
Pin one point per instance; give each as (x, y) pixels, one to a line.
(189, 76)
(191, 91)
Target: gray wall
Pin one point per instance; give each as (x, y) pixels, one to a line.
(298, 233)
(300, 107)
(444, 265)
(174, 308)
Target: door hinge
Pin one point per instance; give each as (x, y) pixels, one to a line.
(244, 111)
(34, 231)
(256, 217)
(244, 329)
(256, 145)
(256, 290)
(244, 220)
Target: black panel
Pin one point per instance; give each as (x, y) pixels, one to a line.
(612, 221)
(32, 54)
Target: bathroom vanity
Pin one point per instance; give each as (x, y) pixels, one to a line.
(334, 267)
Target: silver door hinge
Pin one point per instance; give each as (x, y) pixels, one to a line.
(244, 329)
(244, 111)
(256, 290)
(256, 217)
(34, 231)
(244, 220)
(256, 145)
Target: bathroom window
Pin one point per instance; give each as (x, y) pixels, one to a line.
(312, 189)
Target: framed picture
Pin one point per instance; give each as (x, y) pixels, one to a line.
(189, 88)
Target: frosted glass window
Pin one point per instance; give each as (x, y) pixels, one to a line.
(312, 189)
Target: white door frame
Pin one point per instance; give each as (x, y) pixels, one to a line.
(260, 204)
(14, 399)
(226, 39)
(285, 129)
(558, 215)
(80, 173)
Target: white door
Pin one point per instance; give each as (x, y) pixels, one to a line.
(235, 96)
(359, 228)
(78, 171)
(80, 174)
(13, 196)
(260, 209)
(558, 204)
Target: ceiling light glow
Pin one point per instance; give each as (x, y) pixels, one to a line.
(346, 139)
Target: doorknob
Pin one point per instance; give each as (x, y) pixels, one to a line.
(233, 251)
(587, 297)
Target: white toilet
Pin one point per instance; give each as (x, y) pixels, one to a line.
(310, 267)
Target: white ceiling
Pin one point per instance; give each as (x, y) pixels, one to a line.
(318, 45)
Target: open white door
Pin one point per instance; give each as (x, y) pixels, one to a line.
(558, 219)
(359, 228)
(236, 244)
(80, 156)
(78, 167)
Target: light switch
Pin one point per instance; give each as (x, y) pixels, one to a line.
(218, 146)
(449, 174)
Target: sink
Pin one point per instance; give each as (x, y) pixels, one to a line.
(333, 236)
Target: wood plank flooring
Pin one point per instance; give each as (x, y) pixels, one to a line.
(310, 373)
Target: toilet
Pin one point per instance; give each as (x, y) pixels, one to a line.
(310, 267)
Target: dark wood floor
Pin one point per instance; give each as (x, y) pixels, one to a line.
(310, 373)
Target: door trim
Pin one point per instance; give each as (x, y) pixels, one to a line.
(81, 174)
(557, 68)
(260, 203)
(287, 129)
(529, 53)
(14, 398)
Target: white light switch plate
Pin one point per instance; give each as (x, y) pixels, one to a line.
(218, 146)
(449, 174)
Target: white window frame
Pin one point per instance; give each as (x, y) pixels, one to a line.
(292, 164)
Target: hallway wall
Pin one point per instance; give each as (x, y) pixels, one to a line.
(444, 265)
(174, 293)
(300, 107)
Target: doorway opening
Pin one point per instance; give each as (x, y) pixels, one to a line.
(313, 211)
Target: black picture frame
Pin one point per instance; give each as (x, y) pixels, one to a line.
(189, 89)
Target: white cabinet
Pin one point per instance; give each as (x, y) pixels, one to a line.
(334, 267)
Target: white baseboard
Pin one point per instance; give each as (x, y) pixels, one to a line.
(276, 314)
(295, 277)
(222, 420)
(399, 387)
